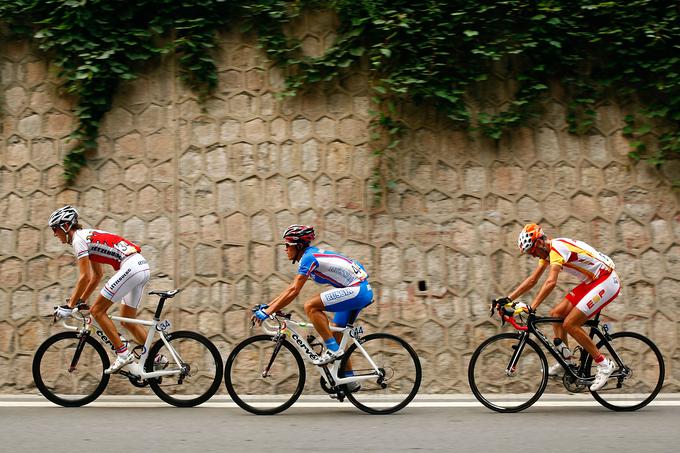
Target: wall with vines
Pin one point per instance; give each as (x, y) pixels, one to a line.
(431, 51)
(193, 146)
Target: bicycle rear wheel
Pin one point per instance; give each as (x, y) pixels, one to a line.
(641, 378)
(62, 385)
(278, 389)
(199, 371)
(493, 387)
(399, 375)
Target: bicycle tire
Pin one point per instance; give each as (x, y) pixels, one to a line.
(206, 374)
(98, 359)
(256, 352)
(380, 355)
(509, 388)
(602, 396)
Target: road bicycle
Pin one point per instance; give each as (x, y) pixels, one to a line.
(265, 374)
(508, 372)
(183, 368)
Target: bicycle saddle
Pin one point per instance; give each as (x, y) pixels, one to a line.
(166, 294)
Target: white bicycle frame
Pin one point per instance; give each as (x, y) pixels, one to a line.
(154, 325)
(285, 327)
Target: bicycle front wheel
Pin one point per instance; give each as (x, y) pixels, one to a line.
(198, 365)
(69, 371)
(395, 378)
(637, 383)
(503, 391)
(264, 375)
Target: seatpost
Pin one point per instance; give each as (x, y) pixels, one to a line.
(159, 309)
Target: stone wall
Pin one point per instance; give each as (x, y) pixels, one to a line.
(207, 190)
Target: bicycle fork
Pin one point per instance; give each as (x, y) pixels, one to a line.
(79, 349)
(279, 340)
(519, 347)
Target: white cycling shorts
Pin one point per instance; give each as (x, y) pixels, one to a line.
(591, 297)
(127, 285)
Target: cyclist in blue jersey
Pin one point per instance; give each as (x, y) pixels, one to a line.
(350, 293)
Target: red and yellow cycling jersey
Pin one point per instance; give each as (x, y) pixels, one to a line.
(578, 258)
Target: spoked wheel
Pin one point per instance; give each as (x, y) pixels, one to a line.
(70, 372)
(198, 365)
(641, 378)
(491, 384)
(257, 390)
(393, 384)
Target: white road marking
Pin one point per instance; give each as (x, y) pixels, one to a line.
(318, 404)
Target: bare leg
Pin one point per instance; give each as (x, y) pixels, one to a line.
(315, 312)
(572, 324)
(99, 309)
(136, 330)
(561, 310)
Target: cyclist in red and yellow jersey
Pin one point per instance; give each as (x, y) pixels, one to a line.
(599, 286)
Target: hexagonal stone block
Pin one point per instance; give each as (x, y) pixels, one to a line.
(560, 207)
(547, 145)
(134, 229)
(117, 122)
(160, 230)
(474, 178)
(353, 131)
(236, 228)
(638, 203)
(16, 99)
(632, 234)
(151, 119)
(58, 124)
(207, 257)
(190, 163)
(120, 199)
(234, 259)
(243, 105)
(301, 128)
(255, 130)
(17, 151)
(299, 193)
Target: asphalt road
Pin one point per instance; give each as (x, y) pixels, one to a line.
(149, 426)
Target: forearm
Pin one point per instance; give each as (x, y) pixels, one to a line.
(92, 284)
(525, 286)
(80, 290)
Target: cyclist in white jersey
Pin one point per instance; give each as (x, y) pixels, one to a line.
(93, 248)
(351, 290)
(599, 286)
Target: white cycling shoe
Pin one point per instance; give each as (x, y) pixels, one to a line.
(603, 373)
(160, 362)
(328, 357)
(555, 370)
(120, 362)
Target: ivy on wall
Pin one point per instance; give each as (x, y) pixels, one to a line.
(421, 51)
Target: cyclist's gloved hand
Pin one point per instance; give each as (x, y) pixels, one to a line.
(261, 314)
(498, 303)
(63, 311)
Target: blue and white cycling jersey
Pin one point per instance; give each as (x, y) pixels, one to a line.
(331, 268)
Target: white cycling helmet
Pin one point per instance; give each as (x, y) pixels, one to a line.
(66, 215)
(528, 237)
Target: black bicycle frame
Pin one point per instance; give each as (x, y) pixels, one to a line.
(579, 375)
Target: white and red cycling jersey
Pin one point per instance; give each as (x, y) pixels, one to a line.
(103, 247)
(579, 259)
(599, 282)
